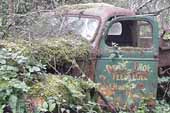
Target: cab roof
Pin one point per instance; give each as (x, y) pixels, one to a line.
(102, 10)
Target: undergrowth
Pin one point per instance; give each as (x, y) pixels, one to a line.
(26, 86)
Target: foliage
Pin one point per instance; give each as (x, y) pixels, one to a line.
(163, 79)
(53, 52)
(166, 36)
(65, 91)
(158, 107)
(164, 89)
(24, 62)
(16, 73)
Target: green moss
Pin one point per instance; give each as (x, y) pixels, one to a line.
(52, 51)
(67, 88)
(51, 87)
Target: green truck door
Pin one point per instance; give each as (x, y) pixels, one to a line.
(127, 64)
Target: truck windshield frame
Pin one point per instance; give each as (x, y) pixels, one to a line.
(95, 20)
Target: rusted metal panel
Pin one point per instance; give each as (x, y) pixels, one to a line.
(125, 82)
(130, 74)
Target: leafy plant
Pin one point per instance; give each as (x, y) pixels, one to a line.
(65, 92)
(166, 36)
(15, 74)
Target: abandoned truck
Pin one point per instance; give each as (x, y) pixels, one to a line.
(126, 56)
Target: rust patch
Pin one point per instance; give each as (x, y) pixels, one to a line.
(140, 86)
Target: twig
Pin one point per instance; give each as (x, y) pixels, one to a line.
(166, 89)
(158, 12)
(62, 24)
(70, 68)
(112, 109)
(54, 68)
(78, 67)
(143, 5)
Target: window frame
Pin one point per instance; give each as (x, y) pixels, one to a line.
(149, 19)
(87, 16)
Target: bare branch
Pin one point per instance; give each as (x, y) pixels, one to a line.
(143, 5)
(161, 10)
(158, 12)
(54, 68)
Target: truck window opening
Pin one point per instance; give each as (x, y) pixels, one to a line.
(133, 34)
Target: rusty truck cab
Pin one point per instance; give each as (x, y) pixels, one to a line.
(125, 52)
